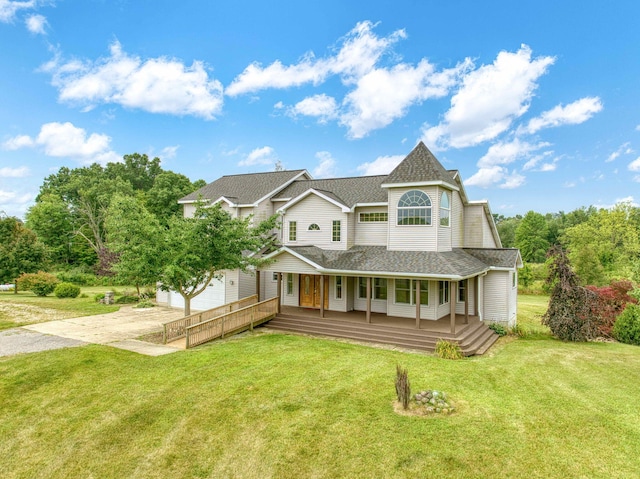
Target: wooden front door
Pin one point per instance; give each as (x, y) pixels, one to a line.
(310, 291)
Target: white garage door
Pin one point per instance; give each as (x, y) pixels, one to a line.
(212, 297)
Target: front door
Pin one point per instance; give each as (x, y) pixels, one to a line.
(310, 291)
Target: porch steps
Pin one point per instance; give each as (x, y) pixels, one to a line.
(474, 338)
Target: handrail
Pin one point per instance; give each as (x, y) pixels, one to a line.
(231, 322)
(176, 329)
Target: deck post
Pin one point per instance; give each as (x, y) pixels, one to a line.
(417, 303)
(322, 296)
(476, 293)
(279, 292)
(258, 284)
(466, 301)
(452, 305)
(368, 299)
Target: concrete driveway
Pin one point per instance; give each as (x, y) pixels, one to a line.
(117, 329)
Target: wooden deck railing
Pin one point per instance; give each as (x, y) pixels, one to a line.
(232, 322)
(177, 329)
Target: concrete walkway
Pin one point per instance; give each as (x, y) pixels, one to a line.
(117, 329)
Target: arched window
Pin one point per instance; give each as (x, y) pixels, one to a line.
(445, 209)
(314, 227)
(414, 208)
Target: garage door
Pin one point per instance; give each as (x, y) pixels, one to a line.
(212, 297)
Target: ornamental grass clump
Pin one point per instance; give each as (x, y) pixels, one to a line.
(448, 350)
(403, 387)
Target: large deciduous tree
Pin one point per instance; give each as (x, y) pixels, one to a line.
(531, 237)
(20, 250)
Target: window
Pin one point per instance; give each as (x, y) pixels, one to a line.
(335, 232)
(339, 287)
(406, 291)
(445, 209)
(414, 208)
(462, 291)
(443, 292)
(514, 281)
(314, 227)
(274, 277)
(378, 288)
(293, 230)
(290, 284)
(373, 217)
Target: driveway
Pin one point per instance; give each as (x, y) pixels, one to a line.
(117, 329)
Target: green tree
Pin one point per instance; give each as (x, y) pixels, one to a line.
(507, 230)
(135, 236)
(196, 250)
(20, 250)
(531, 238)
(52, 221)
(168, 187)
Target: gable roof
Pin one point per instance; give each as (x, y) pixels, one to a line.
(497, 257)
(419, 166)
(245, 189)
(347, 191)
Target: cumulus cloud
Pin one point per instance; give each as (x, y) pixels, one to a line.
(156, 85)
(169, 152)
(503, 153)
(8, 172)
(64, 140)
(326, 165)
(624, 149)
(574, 113)
(17, 142)
(9, 8)
(634, 165)
(321, 106)
(260, 156)
(383, 165)
(490, 176)
(36, 24)
(489, 100)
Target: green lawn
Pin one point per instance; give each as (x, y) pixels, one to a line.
(272, 405)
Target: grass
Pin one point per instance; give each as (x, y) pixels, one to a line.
(272, 405)
(27, 308)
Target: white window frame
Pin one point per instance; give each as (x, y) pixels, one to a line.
(413, 207)
(443, 293)
(445, 212)
(412, 291)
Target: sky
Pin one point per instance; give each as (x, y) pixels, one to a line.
(536, 103)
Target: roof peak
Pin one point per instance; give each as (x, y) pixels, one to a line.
(420, 165)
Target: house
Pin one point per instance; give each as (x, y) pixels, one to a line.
(405, 245)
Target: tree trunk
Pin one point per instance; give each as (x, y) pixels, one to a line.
(187, 305)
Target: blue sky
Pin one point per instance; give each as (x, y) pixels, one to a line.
(537, 103)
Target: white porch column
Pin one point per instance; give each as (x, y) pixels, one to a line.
(368, 299)
(417, 303)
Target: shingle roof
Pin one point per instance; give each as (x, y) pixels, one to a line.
(349, 191)
(420, 166)
(453, 264)
(244, 189)
(496, 257)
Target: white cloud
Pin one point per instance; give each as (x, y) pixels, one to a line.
(638, 128)
(489, 99)
(169, 152)
(512, 180)
(36, 24)
(326, 167)
(503, 153)
(385, 94)
(634, 165)
(8, 9)
(156, 85)
(574, 113)
(17, 142)
(624, 149)
(489, 176)
(383, 165)
(8, 172)
(322, 106)
(260, 156)
(360, 51)
(64, 140)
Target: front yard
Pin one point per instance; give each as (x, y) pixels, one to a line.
(272, 405)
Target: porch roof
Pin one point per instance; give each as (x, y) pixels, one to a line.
(456, 264)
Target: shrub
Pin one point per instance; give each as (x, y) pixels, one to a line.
(448, 350)
(98, 297)
(126, 299)
(66, 290)
(612, 300)
(403, 388)
(627, 327)
(145, 304)
(40, 283)
(498, 328)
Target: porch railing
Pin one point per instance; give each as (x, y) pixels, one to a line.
(231, 323)
(176, 329)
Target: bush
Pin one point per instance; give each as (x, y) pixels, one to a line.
(498, 328)
(40, 283)
(627, 327)
(98, 297)
(612, 300)
(448, 350)
(126, 299)
(145, 304)
(66, 290)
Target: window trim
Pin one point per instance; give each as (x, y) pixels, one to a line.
(462, 288)
(373, 288)
(424, 288)
(428, 208)
(373, 214)
(337, 286)
(293, 231)
(289, 284)
(337, 230)
(446, 210)
(443, 293)
(314, 227)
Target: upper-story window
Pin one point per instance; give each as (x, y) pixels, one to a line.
(335, 231)
(445, 209)
(377, 217)
(414, 208)
(293, 231)
(314, 227)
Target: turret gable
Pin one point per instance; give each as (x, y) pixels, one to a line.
(420, 167)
